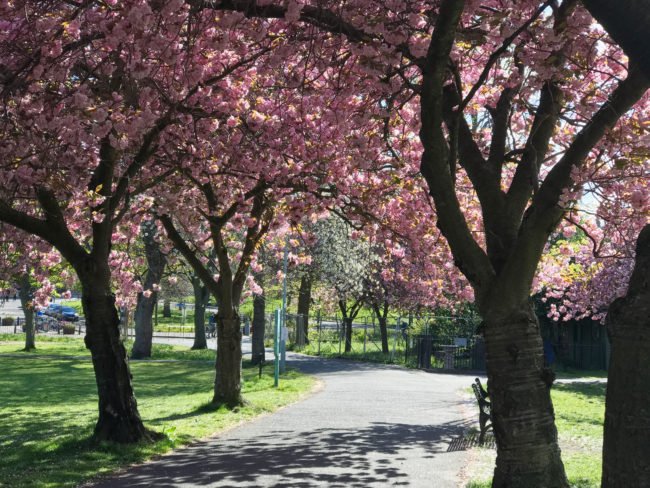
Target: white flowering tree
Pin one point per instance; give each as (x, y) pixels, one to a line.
(344, 260)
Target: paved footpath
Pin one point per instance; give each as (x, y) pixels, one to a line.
(369, 426)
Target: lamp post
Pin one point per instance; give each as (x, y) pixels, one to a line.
(283, 344)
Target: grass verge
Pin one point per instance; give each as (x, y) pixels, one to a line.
(66, 346)
(49, 408)
(579, 416)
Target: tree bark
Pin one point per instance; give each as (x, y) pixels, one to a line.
(347, 328)
(304, 302)
(519, 384)
(382, 317)
(259, 306)
(627, 21)
(626, 457)
(143, 317)
(167, 308)
(119, 420)
(201, 299)
(28, 310)
(156, 262)
(384, 335)
(227, 382)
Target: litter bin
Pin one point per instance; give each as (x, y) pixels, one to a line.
(424, 350)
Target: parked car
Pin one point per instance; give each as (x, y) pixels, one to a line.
(53, 309)
(69, 314)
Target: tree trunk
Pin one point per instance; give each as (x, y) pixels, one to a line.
(144, 310)
(382, 318)
(119, 420)
(143, 326)
(384, 335)
(347, 327)
(627, 21)
(259, 306)
(201, 299)
(519, 385)
(167, 308)
(626, 457)
(28, 310)
(227, 382)
(304, 302)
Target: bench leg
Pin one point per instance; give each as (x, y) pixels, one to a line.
(482, 421)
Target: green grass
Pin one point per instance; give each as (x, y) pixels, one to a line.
(49, 407)
(579, 416)
(571, 373)
(64, 346)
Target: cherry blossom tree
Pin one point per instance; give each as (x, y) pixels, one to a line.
(586, 275)
(517, 96)
(260, 184)
(94, 96)
(28, 262)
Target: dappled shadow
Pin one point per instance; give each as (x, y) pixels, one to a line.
(322, 457)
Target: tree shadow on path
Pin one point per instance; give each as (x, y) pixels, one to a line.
(323, 457)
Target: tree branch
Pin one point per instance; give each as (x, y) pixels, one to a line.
(179, 243)
(468, 255)
(545, 212)
(322, 18)
(507, 42)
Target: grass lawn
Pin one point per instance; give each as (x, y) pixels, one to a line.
(49, 408)
(579, 416)
(584, 374)
(66, 346)
(330, 349)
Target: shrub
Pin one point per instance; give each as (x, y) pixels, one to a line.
(7, 321)
(68, 328)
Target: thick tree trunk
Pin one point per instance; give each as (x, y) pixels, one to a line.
(119, 420)
(227, 382)
(519, 385)
(347, 327)
(304, 302)
(626, 457)
(144, 311)
(28, 310)
(167, 308)
(259, 306)
(201, 299)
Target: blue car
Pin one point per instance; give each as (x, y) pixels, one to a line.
(69, 314)
(54, 309)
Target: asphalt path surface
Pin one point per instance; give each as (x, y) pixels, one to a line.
(368, 425)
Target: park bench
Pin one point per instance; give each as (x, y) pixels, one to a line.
(484, 406)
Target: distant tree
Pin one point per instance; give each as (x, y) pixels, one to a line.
(148, 297)
(343, 264)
